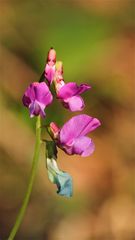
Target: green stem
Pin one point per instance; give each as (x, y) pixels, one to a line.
(31, 181)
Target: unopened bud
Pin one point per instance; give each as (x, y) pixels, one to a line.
(51, 58)
(58, 79)
(59, 67)
(53, 130)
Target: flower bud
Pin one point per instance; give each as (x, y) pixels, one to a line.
(58, 79)
(59, 67)
(51, 58)
(49, 71)
(53, 130)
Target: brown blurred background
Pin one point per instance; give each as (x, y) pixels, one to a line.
(95, 41)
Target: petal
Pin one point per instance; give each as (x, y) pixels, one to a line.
(83, 146)
(26, 100)
(65, 184)
(42, 112)
(72, 89)
(75, 103)
(51, 58)
(77, 126)
(42, 93)
(62, 179)
(29, 95)
(83, 88)
(36, 109)
(49, 73)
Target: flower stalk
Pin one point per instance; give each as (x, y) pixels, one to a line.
(22, 211)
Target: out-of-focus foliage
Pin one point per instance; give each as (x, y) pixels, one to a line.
(95, 41)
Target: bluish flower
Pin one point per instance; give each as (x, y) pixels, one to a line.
(62, 179)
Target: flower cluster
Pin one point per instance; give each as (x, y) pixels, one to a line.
(71, 137)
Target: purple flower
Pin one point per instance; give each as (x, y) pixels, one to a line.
(72, 136)
(36, 97)
(50, 66)
(69, 94)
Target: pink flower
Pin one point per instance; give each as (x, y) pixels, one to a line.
(72, 136)
(36, 97)
(69, 94)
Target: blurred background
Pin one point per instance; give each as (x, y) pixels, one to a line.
(95, 41)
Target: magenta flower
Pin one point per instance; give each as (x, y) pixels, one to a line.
(72, 136)
(36, 97)
(69, 94)
(50, 66)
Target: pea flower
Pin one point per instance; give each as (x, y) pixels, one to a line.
(62, 179)
(69, 94)
(36, 97)
(49, 71)
(72, 136)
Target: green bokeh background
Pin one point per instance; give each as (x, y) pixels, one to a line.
(95, 41)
